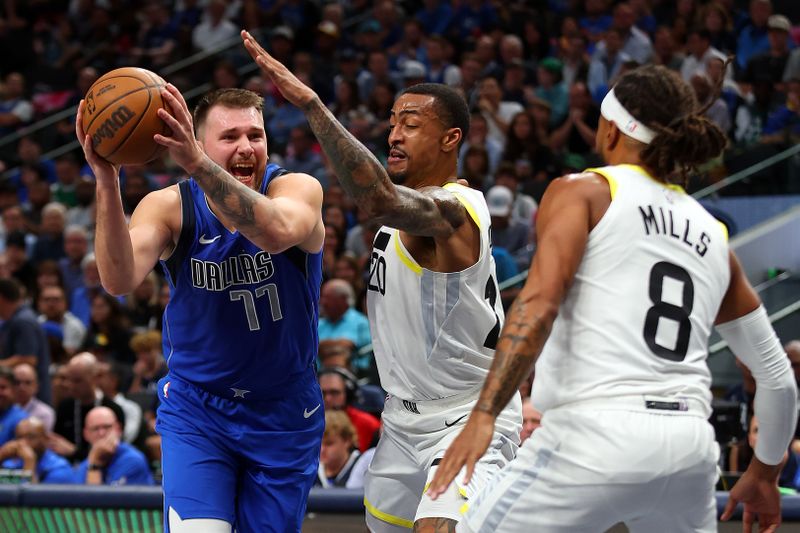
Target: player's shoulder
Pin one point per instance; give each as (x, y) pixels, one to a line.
(580, 184)
(294, 182)
(163, 205)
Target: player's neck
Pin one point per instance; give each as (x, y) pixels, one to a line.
(624, 155)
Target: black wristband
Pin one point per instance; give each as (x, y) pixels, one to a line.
(95, 466)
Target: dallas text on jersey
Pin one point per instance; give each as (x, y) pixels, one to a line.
(661, 221)
(242, 269)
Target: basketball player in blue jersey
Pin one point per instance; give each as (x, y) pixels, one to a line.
(240, 413)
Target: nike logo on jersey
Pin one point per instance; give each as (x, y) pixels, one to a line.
(454, 422)
(203, 240)
(307, 413)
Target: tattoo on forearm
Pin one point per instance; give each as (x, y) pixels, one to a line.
(519, 345)
(236, 202)
(359, 172)
(363, 177)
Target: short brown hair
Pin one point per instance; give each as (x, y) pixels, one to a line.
(236, 98)
(146, 341)
(338, 423)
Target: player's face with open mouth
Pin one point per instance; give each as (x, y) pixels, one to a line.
(234, 138)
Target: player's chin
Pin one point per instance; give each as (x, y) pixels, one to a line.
(397, 175)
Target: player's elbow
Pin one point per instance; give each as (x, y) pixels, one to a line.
(116, 286)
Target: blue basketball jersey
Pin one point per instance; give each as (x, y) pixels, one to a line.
(241, 322)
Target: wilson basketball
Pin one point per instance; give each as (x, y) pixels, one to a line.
(120, 115)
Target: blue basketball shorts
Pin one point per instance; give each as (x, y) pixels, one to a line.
(249, 463)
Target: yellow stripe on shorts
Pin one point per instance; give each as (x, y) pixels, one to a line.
(386, 517)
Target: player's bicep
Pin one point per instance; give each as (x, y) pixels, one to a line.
(563, 226)
(297, 199)
(740, 298)
(152, 233)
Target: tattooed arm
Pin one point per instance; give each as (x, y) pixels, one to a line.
(290, 215)
(569, 209)
(429, 212)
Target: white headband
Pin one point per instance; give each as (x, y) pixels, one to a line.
(613, 111)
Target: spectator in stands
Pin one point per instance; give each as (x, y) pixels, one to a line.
(783, 126)
(22, 339)
(524, 207)
(531, 420)
(25, 389)
(302, 154)
(82, 214)
(29, 452)
(68, 174)
(29, 152)
(606, 63)
(635, 43)
(552, 89)
(440, 70)
(15, 109)
(215, 29)
(339, 453)
(497, 112)
(752, 36)
(62, 328)
(574, 57)
(69, 439)
(665, 50)
(339, 392)
(50, 244)
(76, 245)
(141, 305)
(21, 269)
(596, 20)
(137, 186)
(479, 136)
(717, 21)
(60, 385)
(150, 365)
(474, 16)
(108, 335)
(435, 17)
(770, 64)
(224, 75)
(752, 114)
(81, 298)
(110, 461)
(476, 168)
(506, 233)
(576, 134)
(10, 413)
(112, 379)
(706, 95)
(157, 37)
(339, 319)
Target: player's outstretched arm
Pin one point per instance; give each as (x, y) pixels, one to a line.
(743, 323)
(125, 255)
(565, 219)
(289, 216)
(429, 212)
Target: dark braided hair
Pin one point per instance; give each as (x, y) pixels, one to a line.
(663, 102)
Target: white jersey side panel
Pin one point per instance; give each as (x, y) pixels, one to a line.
(639, 313)
(433, 333)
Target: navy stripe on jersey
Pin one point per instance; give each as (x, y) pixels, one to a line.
(187, 230)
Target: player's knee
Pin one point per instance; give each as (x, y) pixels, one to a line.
(435, 525)
(196, 525)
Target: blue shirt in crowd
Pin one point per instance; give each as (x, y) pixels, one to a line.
(51, 468)
(128, 466)
(9, 421)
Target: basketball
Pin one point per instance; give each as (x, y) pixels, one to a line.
(120, 114)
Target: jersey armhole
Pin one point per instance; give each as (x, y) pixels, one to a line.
(724, 229)
(453, 188)
(174, 261)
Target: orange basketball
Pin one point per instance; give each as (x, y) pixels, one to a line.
(120, 115)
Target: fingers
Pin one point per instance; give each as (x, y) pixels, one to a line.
(444, 475)
(747, 521)
(173, 99)
(470, 471)
(729, 508)
(79, 122)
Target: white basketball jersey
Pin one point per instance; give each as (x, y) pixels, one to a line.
(433, 333)
(638, 316)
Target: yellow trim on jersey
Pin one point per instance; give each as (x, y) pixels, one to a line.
(639, 169)
(464, 508)
(386, 517)
(461, 198)
(724, 228)
(612, 183)
(406, 259)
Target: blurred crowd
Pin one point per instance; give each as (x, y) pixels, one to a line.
(83, 364)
